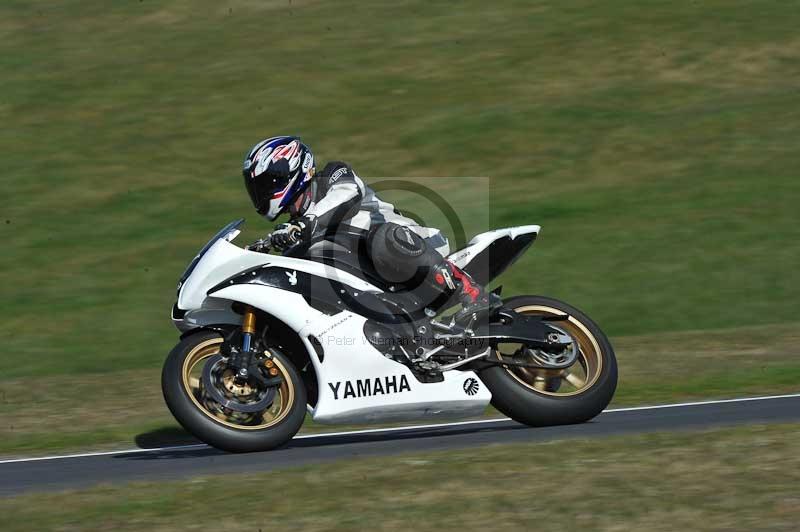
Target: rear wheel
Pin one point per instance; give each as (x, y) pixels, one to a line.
(281, 409)
(540, 397)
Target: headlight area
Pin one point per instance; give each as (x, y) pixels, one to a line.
(177, 313)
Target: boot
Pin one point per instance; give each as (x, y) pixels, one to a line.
(475, 300)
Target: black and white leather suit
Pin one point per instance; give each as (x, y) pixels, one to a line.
(339, 203)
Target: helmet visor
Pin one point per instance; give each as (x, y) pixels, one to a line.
(263, 187)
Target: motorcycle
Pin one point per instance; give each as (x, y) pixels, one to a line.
(267, 338)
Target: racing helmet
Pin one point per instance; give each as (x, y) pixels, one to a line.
(275, 171)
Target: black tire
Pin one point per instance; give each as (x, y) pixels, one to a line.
(213, 432)
(535, 408)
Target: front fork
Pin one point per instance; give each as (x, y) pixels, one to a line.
(248, 330)
(242, 358)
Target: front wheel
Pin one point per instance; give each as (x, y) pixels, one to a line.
(275, 421)
(540, 397)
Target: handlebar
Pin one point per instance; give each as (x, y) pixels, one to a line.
(264, 245)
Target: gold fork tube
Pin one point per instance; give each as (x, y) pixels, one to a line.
(249, 321)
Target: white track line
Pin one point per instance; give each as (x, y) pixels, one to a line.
(393, 429)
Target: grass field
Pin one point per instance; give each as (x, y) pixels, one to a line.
(656, 142)
(732, 479)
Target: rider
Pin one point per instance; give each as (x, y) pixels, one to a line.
(279, 175)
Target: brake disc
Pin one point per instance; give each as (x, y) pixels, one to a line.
(237, 397)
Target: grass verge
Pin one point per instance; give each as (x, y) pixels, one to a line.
(731, 479)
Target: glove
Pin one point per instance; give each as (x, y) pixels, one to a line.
(297, 232)
(285, 235)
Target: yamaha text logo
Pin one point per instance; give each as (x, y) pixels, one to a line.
(471, 386)
(370, 387)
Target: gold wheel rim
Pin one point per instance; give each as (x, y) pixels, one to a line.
(272, 415)
(589, 362)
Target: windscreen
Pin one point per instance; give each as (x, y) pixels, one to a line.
(222, 233)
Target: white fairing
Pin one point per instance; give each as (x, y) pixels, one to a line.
(480, 242)
(350, 366)
(224, 260)
(356, 383)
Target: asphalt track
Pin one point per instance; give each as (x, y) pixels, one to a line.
(89, 469)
